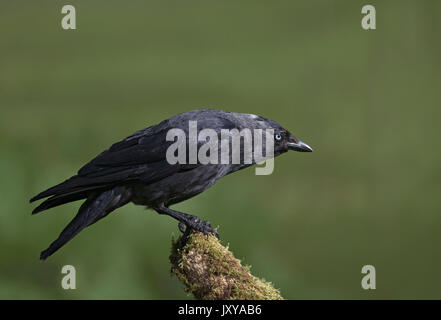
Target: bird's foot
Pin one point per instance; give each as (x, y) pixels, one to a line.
(206, 228)
(197, 225)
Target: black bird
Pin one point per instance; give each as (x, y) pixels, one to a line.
(137, 170)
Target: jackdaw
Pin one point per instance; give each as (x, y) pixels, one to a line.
(139, 169)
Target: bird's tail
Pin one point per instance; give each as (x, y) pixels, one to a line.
(73, 189)
(92, 210)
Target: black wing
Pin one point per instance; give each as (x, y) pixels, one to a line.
(140, 157)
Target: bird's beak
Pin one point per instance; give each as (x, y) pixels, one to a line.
(299, 146)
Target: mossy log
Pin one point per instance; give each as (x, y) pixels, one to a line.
(209, 271)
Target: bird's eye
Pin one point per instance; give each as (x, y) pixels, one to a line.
(278, 137)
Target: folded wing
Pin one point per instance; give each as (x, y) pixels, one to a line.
(141, 157)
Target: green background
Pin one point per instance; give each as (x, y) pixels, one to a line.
(366, 101)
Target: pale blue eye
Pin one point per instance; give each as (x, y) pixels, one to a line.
(278, 137)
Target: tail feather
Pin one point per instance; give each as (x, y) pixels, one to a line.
(92, 210)
(67, 191)
(59, 188)
(74, 184)
(58, 200)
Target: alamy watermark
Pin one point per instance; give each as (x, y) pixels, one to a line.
(69, 280)
(368, 282)
(237, 147)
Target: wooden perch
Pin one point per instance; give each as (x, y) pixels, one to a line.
(209, 271)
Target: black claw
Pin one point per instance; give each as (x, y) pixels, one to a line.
(186, 231)
(182, 227)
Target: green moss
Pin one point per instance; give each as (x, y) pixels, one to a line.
(209, 270)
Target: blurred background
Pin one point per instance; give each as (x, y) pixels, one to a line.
(368, 102)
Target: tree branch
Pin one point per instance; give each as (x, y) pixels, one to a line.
(209, 271)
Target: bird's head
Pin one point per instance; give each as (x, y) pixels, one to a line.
(283, 140)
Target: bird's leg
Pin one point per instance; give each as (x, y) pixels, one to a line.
(190, 221)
